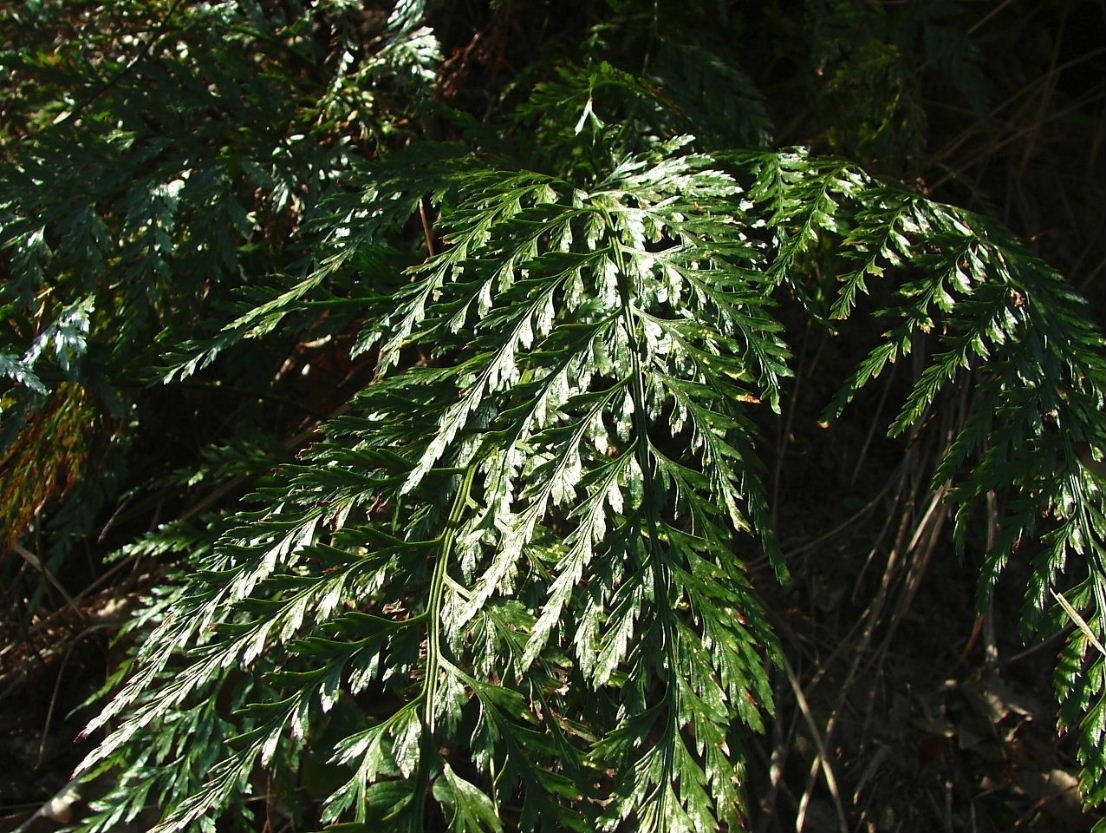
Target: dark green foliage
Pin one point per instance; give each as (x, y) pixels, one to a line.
(499, 578)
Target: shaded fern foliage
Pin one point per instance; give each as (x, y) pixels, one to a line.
(500, 577)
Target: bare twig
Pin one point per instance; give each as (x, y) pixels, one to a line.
(822, 759)
(53, 704)
(36, 562)
(427, 228)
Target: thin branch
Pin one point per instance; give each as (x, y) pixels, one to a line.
(822, 758)
(427, 228)
(36, 562)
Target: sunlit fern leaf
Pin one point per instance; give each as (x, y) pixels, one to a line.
(529, 548)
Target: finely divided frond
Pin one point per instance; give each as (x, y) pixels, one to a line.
(518, 564)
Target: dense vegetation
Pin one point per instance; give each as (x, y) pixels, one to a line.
(495, 417)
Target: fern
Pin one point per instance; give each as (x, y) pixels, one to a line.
(538, 508)
(508, 581)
